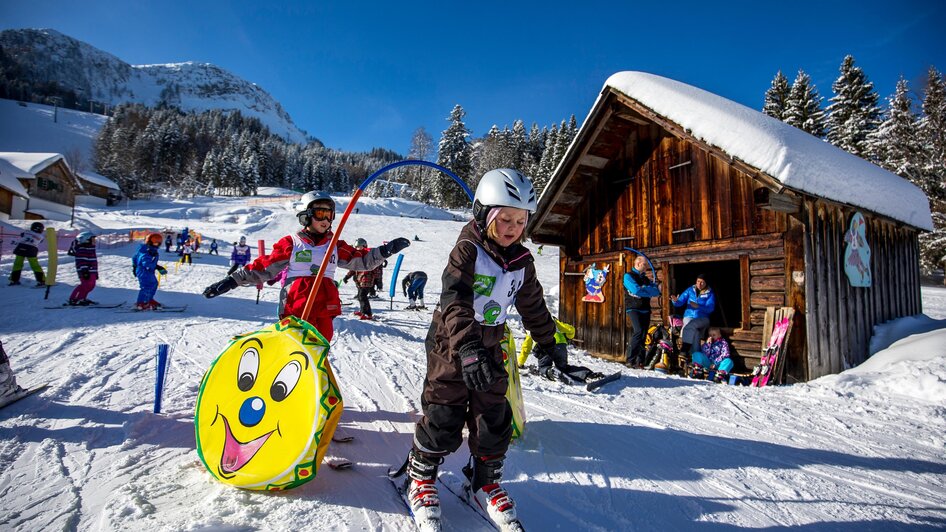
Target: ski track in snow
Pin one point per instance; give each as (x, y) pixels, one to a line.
(647, 452)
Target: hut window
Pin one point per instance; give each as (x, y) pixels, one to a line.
(725, 278)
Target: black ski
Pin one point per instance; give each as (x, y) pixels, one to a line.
(595, 384)
(94, 305)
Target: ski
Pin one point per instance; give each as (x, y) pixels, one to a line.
(595, 384)
(342, 438)
(339, 464)
(20, 394)
(400, 480)
(95, 305)
(159, 309)
(465, 494)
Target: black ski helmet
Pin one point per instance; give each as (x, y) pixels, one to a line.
(37, 227)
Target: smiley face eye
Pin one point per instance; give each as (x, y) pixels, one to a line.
(285, 381)
(246, 372)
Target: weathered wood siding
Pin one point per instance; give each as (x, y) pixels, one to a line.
(679, 204)
(840, 318)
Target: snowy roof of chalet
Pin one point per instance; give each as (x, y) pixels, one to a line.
(32, 162)
(9, 176)
(98, 179)
(797, 159)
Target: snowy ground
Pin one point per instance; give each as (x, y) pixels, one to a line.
(864, 450)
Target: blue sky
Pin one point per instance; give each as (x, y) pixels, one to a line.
(364, 74)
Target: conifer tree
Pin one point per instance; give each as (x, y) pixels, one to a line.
(803, 106)
(776, 98)
(932, 134)
(853, 113)
(894, 144)
(455, 153)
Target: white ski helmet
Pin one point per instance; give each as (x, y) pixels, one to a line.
(305, 216)
(503, 187)
(84, 236)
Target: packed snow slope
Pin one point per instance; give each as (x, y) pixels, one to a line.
(864, 450)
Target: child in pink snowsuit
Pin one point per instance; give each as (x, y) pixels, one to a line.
(87, 267)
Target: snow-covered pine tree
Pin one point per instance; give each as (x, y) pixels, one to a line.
(894, 144)
(776, 98)
(455, 153)
(803, 106)
(853, 112)
(548, 162)
(932, 133)
(519, 143)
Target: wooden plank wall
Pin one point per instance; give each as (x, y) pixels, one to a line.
(678, 203)
(840, 318)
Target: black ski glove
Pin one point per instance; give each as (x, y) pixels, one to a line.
(394, 246)
(556, 354)
(161, 270)
(220, 287)
(479, 371)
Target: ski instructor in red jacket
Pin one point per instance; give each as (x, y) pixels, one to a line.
(302, 254)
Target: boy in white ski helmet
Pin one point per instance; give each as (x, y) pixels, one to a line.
(488, 271)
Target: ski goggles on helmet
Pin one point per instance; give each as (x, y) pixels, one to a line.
(321, 213)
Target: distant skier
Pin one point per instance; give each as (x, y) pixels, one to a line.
(186, 253)
(27, 247)
(240, 256)
(365, 281)
(168, 240)
(213, 248)
(413, 287)
(302, 252)
(144, 265)
(87, 267)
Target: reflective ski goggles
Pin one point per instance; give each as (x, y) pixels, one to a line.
(321, 213)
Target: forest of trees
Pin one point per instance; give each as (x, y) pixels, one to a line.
(213, 152)
(906, 136)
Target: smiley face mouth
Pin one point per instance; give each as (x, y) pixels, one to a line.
(237, 454)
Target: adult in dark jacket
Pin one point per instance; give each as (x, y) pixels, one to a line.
(638, 289)
(487, 271)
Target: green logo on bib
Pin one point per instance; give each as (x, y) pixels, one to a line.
(491, 312)
(304, 256)
(483, 284)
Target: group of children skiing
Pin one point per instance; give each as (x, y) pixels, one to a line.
(488, 271)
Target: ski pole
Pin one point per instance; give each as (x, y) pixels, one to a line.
(261, 247)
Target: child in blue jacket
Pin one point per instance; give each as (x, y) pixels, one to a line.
(144, 264)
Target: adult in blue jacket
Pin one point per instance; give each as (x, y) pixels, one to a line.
(144, 264)
(700, 301)
(638, 289)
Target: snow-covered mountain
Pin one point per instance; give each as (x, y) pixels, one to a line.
(47, 55)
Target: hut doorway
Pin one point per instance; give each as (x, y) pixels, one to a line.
(724, 277)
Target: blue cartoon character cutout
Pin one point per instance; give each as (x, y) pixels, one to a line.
(594, 282)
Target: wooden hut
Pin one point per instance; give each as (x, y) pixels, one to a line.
(53, 188)
(701, 184)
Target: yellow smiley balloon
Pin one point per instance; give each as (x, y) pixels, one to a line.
(267, 408)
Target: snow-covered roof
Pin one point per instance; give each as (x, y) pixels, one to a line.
(32, 162)
(798, 160)
(9, 178)
(98, 179)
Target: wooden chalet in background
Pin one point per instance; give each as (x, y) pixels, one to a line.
(702, 184)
